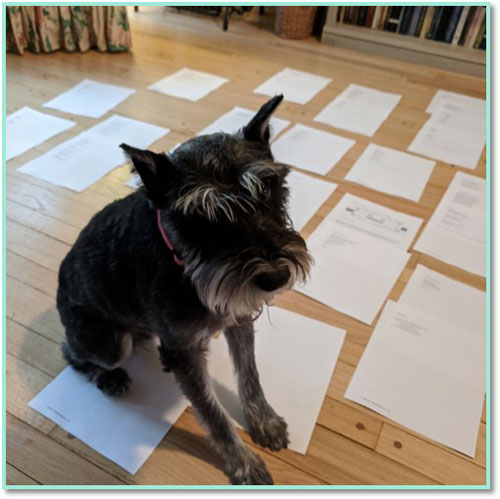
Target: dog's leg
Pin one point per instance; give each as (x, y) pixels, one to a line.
(242, 465)
(265, 427)
(96, 348)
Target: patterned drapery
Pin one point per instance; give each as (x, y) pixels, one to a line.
(45, 29)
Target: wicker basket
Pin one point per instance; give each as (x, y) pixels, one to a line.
(294, 22)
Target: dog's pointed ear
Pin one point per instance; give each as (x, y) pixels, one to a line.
(156, 170)
(258, 128)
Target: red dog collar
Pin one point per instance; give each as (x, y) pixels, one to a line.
(177, 260)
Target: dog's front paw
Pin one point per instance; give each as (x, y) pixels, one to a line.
(269, 430)
(247, 468)
(115, 382)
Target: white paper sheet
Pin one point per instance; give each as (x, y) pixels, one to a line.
(453, 135)
(296, 86)
(296, 385)
(27, 128)
(237, 118)
(84, 159)
(359, 109)
(125, 429)
(464, 101)
(307, 194)
(425, 374)
(188, 84)
(390, 171)
(456, 232)
(447, 299)
(90, 98)
(310, 149)
(358, 246)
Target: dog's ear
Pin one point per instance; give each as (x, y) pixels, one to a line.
(258, 128)
(156, 170)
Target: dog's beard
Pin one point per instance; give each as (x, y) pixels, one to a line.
(228, 288)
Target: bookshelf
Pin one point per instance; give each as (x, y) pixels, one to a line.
(408, 48)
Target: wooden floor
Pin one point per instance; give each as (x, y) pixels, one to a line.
(350, 444)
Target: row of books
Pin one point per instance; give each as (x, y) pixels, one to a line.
(459, 25)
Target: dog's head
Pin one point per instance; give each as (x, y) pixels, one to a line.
(223, 202)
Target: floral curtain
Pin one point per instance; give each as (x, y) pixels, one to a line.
(45, 29)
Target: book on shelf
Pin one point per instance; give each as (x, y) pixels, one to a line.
(394, 15)
(362, 16)
(376, 16)
(452, 24)
(475, 27)
(415, 20)
(455, 25)
(443, 24)
(460, 26)
(467, 26)
(406, 16)
(482, 45)
(370, 12)
(481, 34)
(431, 33)
(429, 15)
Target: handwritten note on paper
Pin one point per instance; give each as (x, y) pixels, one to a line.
(27, 128)
(90, 98)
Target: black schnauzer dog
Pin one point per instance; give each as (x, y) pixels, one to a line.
(203, 245)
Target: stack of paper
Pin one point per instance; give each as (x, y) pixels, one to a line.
(456, 232)
(360, 249)
(296, 86)
(296, 385)
(456, 131)
(90, 98)
(84, 159)
(188, 84)
(392, 172)
(237, 118)
(27, 128)
(424, 366)
(359, 109)
(310, 149)
(125, 429)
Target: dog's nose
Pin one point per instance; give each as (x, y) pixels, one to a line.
(270, 281)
